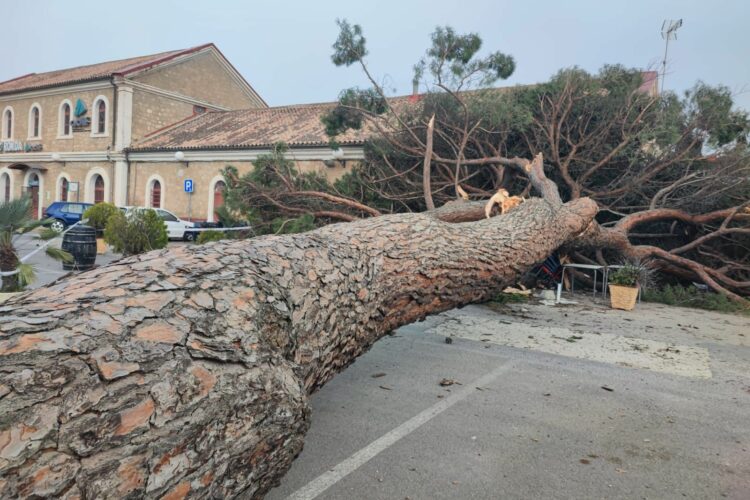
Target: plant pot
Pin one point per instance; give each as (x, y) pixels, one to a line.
(623, 297)
(101, 246)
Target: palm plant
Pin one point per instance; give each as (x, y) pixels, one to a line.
(15, 220)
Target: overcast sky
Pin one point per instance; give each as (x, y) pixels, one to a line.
(283, 48)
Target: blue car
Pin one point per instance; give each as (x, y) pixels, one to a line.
(65, 213)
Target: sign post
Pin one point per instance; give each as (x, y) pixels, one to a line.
(189, 190)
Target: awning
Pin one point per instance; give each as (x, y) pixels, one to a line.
(28, 166)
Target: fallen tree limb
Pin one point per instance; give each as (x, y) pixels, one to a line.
(186, 372)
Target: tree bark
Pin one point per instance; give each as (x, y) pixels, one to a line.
(186, 372)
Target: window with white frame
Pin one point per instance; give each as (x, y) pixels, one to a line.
(35, 121)
(100, 112)
(64, 127)
(8, 123)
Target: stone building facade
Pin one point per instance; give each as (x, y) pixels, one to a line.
(92, 133)
(201, 147)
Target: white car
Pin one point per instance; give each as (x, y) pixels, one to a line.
(177, 229)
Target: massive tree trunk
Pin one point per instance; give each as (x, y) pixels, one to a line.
(186, 372)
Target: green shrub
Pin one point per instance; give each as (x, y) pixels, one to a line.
(510, 298)
(138, 231)
(632, 274)
(676, 295)
(209, 236)
(99, 214)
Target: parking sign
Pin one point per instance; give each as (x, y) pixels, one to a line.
(188, 185)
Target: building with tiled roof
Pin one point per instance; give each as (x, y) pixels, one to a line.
(297, 126)
(200, 147)
(66, 135)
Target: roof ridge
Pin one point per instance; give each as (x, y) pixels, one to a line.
(290, 106)
(112, 61)
(18, 78)
(87, 72)
(162, 57)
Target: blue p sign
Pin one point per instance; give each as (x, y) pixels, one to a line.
(188, 185)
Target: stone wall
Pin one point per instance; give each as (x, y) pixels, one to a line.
(204, 174)
(50, 120)
(202, 77)
(82, 172)
(153, 112)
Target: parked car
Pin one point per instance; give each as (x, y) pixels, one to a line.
(177, 229)
(65, 213)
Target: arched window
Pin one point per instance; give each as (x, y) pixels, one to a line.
(4, 187)
(219, 188)
(101, 117)
(155, 194)
(8, 123)
(64, 129)
(63, 189)
(99, 112)
(98, 189)
(35, 122)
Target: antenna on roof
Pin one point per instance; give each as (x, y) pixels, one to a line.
(668, 32)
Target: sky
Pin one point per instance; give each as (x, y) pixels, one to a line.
(283, 47)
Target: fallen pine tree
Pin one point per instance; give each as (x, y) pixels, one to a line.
(186, 372)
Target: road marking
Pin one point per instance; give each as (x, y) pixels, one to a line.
(320, 484)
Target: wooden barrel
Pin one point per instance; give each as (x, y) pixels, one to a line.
(80, 242)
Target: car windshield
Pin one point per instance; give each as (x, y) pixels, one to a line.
(166, 216)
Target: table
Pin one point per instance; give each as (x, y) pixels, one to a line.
(591, 267)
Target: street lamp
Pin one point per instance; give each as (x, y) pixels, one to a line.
(180, 156)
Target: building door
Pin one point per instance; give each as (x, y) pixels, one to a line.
(98, 189)
(63, 189)
(219, 188)
(5, 184)
(33, 191)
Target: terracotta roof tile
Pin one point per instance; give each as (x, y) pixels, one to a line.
(90, 72)
(297, 125)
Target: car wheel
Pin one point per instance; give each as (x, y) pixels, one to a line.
(57, 225)
(189, 236)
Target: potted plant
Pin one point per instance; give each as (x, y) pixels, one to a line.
(15, 219)
(97, 216)
(625, 284)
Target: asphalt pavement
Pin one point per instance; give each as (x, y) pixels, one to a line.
(523, 424)
(47, 269)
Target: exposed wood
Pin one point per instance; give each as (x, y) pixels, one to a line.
(426, 183)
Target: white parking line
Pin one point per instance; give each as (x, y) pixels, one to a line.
(320, 484)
